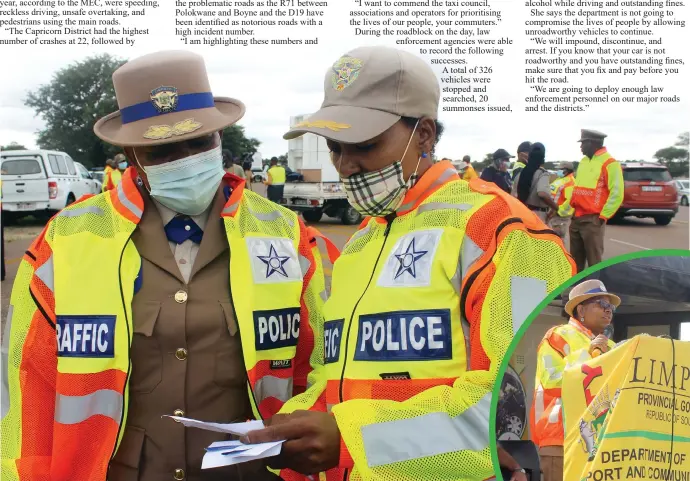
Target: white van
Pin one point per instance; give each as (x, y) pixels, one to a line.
(41, 182)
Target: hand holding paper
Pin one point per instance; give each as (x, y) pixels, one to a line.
(226, 453)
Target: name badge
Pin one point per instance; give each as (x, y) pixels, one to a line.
(405, 336)
(332, 335)
(276, 328)
(85, 336)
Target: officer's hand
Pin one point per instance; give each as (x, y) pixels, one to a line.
(312, 441)
(600, 342)
(518, 476)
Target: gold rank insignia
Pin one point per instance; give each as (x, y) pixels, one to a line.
(157, 132)
(323, 124)
(164, 99)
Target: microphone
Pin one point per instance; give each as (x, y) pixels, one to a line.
(608, 332)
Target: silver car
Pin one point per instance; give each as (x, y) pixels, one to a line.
(683, 191)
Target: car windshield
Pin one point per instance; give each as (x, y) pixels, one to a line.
(656, 175)
(21, 167)
(685, 184)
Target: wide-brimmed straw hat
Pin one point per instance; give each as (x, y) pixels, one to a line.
(587, 290)
(165, 97)
(369, 89)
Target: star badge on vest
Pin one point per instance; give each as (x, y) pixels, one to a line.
(273, 259)
(164, 99)
(410, 261)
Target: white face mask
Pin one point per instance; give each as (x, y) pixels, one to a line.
(187, 185)
(380, 193)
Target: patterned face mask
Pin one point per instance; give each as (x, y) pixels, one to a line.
(380, 193)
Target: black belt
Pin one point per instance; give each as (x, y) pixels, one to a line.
(538, 209)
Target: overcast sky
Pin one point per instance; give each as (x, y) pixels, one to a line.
(277, 82)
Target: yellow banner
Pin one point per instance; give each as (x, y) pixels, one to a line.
(627, 413)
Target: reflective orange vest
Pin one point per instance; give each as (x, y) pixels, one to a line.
(599, 186)
(68, 361)
(562, 347)
(420, 316)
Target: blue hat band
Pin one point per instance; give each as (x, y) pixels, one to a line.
(147, 110)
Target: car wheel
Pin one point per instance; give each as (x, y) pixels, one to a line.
(350, 216)
(256, 178)
(663, 219)
(312, 215)
(684, 200)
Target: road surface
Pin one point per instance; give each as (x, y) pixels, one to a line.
(630, 235)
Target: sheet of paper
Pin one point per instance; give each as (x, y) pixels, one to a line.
(237, 429)
(215, 459)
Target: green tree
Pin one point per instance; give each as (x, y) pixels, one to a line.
(76, 97)
(13, 146)
(283, 158)
(236, 141)
(676, 157)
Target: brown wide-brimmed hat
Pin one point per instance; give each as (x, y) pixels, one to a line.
(587, 290)
(165, 97)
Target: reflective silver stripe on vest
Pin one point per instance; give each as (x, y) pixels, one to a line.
(356, 236)
(445, 175)
(539, 403)
(324, 295)
(427, 435)
(77, 211)
(304, 264)
(442, 205)
(126, 202)
(5, 375)
(231, 209)
(271, 386)
(75, 409)
(469, 254)
(526, 293)
(45, 273)
(270, 216)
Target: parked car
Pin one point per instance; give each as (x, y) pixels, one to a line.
(683, 186)
(95, 186)
(259, 174)
(41, 182)
(98, 175)
(649, 192)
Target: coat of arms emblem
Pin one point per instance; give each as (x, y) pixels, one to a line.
(345, 72)
(593, 428)
(164, 99)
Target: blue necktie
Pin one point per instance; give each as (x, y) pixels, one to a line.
(181, 228)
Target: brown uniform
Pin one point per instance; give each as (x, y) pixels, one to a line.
(186, 358)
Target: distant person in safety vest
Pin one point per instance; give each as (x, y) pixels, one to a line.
(597, 195)
(590, 309)
(469, 173)
(561, 191)
(275, 181)
(114, 175)
(425, 298)
(169, 323)
(523, 151)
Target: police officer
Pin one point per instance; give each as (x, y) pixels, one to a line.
(522, 155)
(597, 195)
(91, 374)
(114, 175)
(591, 309)
(562, 190)
(275, 181)
(425, 297)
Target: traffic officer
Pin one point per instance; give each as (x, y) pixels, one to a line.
(591, 309)
(114, 175)
(562, 189)
(426, 295)
(192, 331)
(597, 195)
(522, 156)
(275, 181)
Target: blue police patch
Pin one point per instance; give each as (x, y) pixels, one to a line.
(85, 336)
(332, 335)
(276, 328)
(405, 336)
